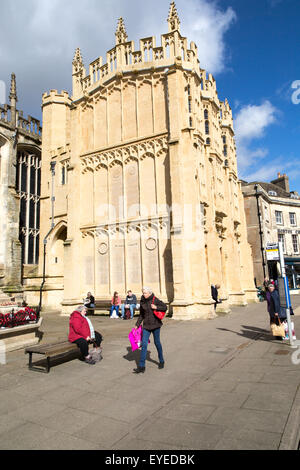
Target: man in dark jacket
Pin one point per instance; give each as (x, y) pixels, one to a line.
(151, 324)
(215, 294)
(130, 303)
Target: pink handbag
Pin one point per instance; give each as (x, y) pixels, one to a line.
(135, 338)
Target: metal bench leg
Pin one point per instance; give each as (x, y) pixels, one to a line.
(30, 361)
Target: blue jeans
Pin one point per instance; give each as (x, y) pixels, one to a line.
(145, 340)
(131, 307)
(116, 308)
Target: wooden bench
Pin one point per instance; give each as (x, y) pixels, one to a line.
(49, 351)
(103, 306)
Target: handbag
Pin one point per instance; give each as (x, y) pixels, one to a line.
(135, 338)
(278, 330)
(157, 313)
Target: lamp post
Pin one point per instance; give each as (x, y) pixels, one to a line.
(52, 168)
(260, 230)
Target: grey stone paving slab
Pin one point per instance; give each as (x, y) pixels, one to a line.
(65, 398)
(9, 422)
(215, 397)
(214, 384)
(269, 402)
(228, 443)
(69, 421)
(29, 436)
(265, 388)
(190, 435)
(133, 443)
(109, 407)
(239, 375)
(236, 418)
(186, 412)
(36, 411)
(104, 432)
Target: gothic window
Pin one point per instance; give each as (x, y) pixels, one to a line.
(28, 184)
(63, 175)
(207, 127)
(205, 115)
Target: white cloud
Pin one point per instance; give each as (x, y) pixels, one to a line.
(206, 25)
(251, 124)
(47, 32)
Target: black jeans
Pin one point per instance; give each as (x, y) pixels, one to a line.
(83, 344)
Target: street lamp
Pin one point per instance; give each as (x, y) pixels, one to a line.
(52, 169)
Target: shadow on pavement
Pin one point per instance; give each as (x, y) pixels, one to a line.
(135, 356)
(253, 332)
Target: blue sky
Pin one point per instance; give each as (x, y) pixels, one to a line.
(250, 46)
(263, 44)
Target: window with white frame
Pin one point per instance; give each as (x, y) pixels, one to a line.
(281, 239)
(293, 218)
(279, 218)
(295, 243)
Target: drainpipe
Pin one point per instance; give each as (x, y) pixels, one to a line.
(52, 168)
(260, 230)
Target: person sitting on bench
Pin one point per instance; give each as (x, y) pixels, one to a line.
(82, 333)
(89, 301)
(130, 303)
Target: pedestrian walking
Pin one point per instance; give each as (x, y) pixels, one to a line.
(215, 294)
(151, 324)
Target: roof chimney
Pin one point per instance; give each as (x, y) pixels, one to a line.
(282, 181)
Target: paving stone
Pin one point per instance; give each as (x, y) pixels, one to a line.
(215, 397)
(69, 420)
(235, 418)
(104, 432)
(186, 412)
(36, 411)
(190, 435)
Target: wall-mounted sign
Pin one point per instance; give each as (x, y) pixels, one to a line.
(272, 252)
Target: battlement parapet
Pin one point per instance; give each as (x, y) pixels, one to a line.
(55, 97)
(29, 125)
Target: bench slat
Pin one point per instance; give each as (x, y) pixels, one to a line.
(53, 349)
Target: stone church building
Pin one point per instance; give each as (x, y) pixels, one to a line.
(20, 181)
(146, 186)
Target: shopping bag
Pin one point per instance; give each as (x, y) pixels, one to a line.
(286, 329)
(135, 338)
(278, 330)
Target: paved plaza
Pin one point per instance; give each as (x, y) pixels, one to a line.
(227, 384)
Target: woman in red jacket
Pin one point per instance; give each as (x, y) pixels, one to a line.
(82, 333)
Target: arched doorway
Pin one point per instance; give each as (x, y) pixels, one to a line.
(56, 252)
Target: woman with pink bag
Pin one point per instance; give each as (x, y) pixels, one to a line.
(151, 324)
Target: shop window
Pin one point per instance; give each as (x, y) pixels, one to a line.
(295, 243)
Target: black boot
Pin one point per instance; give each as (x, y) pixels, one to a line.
(139, 370)
(161, 365)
